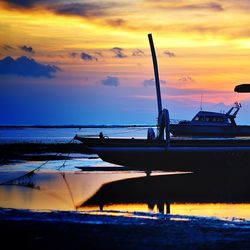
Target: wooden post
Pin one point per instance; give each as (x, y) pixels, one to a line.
(157, 80)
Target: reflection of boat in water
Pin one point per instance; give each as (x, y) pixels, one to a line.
(173, 188)
(163, 152)
(212, 124)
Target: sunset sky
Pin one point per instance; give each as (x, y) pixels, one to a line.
(89, 62)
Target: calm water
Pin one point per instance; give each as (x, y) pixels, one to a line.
(54, 187)
(64, 135)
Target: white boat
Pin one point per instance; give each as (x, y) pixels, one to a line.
(212, 124)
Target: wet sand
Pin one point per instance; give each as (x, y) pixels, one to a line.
(38, 151)
(70, 230)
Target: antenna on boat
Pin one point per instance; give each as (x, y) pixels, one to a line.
(201, 102)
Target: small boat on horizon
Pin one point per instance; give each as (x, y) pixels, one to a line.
(212, 124)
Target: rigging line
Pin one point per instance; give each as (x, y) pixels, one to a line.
(63, 165)
(65, 180)
(128, 131)
(69, 189)
(30, 173)
(117, 133)
(27, 175)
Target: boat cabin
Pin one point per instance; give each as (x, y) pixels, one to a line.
(206, 117)
(215, 118)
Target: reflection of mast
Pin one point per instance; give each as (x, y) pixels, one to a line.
(161, 207)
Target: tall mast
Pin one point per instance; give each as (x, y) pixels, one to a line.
(157, 80)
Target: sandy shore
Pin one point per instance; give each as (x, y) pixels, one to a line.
(71, 230)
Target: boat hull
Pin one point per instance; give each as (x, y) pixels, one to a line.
(178, 159)
(181, 155)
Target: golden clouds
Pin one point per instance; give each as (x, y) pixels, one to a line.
(180, 23)
(211, 39)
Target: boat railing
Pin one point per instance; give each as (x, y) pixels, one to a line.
(234, 110)
(175, 121)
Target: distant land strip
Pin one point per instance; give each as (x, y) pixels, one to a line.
(77, 126)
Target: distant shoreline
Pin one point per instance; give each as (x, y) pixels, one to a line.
(78, 126)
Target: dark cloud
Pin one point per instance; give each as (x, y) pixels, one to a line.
(137, 52)
(169, 54)
(80, 9)
(87, 57)
(118, 52)
(73, 54)
(116, 22)
(7, 47)
(27, 49)
(111, 81)
(23, 3)
(169, 5)
(24, 66)
(151, 82)
(206, 6)
(186, 79)
(68, 8)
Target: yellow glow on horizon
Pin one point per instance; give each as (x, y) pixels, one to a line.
(219, 210)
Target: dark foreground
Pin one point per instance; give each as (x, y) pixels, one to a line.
(72, 230)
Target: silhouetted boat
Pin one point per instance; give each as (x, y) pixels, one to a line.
(212, 124)
(165, 153)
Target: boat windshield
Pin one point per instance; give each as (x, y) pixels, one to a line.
(211, 119)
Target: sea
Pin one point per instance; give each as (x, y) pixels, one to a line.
(61, 185)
